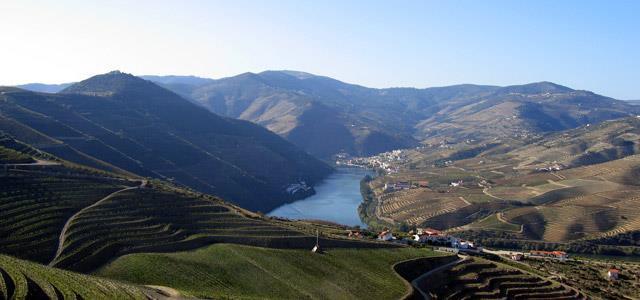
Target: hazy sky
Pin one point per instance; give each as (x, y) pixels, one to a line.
(592, 45)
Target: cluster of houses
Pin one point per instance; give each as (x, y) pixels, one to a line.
(552, 168)
(433, 237)
(387, 162)
(405, 185)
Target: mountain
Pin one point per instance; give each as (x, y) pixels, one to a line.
(521, 113)
(119, 122)
(326, 116)
(585, 145)
(633, 102)
(44, 88)
(181, 85)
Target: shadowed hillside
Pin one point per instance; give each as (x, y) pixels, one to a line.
(134, 125)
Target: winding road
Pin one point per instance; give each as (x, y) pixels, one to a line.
(63, 233)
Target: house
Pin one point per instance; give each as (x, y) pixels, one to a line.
(517, 256)
(386, 236)
(423, 184)
(430, 235)
(429, 231)
(613, 274)
(456, 183)
(401, 185)
(462, 244)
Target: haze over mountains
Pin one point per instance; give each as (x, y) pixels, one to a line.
(119, 122)
(325, 116)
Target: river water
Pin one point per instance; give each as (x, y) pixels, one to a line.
(336, 199)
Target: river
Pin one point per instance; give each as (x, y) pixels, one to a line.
(337, 199)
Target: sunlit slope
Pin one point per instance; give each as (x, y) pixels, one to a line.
(584, 202)
(21, 279)
(236, 271)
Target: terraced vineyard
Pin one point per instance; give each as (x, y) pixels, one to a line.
(35, 206)
(416, 206)
(143, 220)
(476, 278)
(20, 279)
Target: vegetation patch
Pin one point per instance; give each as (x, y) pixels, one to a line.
(236, 271)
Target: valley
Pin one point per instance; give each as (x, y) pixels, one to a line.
(155, 205)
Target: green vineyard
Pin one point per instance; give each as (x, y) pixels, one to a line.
(20, 279)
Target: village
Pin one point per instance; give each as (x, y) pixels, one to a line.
(386, 162)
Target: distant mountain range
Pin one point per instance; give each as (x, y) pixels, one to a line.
(325, 116)
(44, 88)
(634, 102)
(122, 123)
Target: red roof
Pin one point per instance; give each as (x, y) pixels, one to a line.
(614, 270)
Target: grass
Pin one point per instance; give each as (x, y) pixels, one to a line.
(10, 156)
(20, 279)
(493, 223)
(236, 271)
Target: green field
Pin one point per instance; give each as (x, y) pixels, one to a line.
(21, 279)
(236, 271)
(493, 223)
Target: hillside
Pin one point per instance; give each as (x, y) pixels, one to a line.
(78, 218)
(585, 145)
(306, 109)
(118, 121)
(475, 278)
(576, 185)
(21, 279)
(222, 271)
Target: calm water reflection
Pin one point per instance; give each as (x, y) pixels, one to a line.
(336, 199)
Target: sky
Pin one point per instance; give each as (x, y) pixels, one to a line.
(591, 45)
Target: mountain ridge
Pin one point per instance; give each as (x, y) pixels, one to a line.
(348, 118)
(145, 129)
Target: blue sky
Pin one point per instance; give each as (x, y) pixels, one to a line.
(593, 45)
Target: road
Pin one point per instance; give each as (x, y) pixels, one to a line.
(65, 228)
(38, 162)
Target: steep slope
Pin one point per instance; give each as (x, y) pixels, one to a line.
(137, 126)
(306, 109)
(20, 279)
(74, 217)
